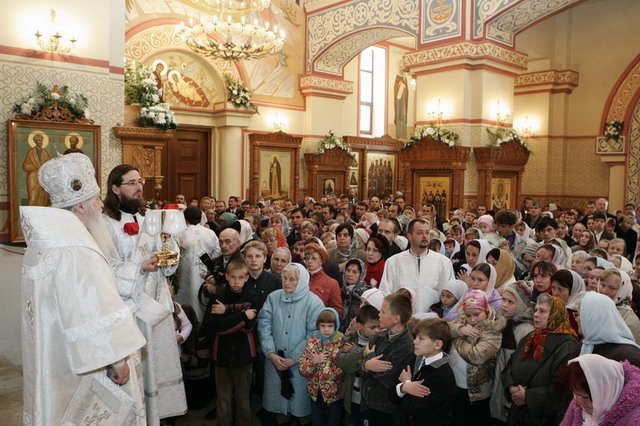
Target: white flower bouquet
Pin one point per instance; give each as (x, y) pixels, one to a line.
(238, 94)
(503, 135)
(45, 97)
(159, 116)
(330, 141)
(448, 137)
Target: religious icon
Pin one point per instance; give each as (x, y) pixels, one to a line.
(73, 142)
(36, 157)
(434, 191)
(380, 174)
(500, 191)
(329, 186)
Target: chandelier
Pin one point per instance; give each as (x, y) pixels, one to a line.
(54, 42)
(236, 37)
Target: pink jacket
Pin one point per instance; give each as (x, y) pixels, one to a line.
(626, 410)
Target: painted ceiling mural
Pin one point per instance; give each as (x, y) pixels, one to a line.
(272, 79)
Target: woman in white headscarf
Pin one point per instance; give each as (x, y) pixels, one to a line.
(604, 331)
(617, 286)
(605, 392)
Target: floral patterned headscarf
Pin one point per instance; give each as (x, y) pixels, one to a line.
(558, 323)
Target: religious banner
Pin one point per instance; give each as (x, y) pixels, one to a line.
(33, 143)
(436, 190)
(354, 173)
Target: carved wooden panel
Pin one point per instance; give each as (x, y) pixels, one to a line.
(507, 161)
(384, 144)
(144, 147)
(428, 157)
(282, 143)
(332, 164)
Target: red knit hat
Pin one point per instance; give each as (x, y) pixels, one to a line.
(318, 249)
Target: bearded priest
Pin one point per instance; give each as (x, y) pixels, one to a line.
(77, 334)
(144, 288)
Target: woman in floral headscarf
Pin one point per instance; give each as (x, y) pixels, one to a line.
(529, 379)
(353, 285)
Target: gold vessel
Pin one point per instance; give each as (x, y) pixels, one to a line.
(165, 256)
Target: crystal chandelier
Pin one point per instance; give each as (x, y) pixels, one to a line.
(236, 37)
(54, 42)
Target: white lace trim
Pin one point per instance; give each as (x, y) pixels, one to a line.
(85, 331)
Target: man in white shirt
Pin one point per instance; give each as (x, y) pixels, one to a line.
(420, 269)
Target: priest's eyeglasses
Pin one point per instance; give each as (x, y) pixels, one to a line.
(134, 182)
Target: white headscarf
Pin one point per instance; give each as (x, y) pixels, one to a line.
(374, 297)
(246, 231)
(577, 287)
(606, 380)
(559, 258)
(456, 287)
(485, 248)
(625, 292)
(600, 323)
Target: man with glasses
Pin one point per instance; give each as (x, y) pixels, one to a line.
(145, 291)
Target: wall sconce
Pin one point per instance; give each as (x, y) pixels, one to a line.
(278, 123)
(52, 41)
(502, 115)
(525, 126)
(439, 110)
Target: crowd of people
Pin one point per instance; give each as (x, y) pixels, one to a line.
(335, 311)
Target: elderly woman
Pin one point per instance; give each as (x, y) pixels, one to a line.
(518, 310)
(272, 238)
(567, 285)
(605, 392)
(285, 323)
(347, 247)
(280, 221)
(617, 286)
(280, 258)
(605, 332)
(529, 378)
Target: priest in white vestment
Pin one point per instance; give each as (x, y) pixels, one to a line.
(194, 241)
(144, 288)
(77, 334)
(419, 269)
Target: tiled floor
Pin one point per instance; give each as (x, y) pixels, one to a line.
(10, 394)
(11, 401)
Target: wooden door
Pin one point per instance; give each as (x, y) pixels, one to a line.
(188, 163)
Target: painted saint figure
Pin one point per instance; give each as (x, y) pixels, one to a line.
(35, 158)
(275, 178)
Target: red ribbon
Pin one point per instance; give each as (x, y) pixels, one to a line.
(171, 206)
(132, 228)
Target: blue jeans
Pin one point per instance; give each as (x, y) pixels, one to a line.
(323, 414)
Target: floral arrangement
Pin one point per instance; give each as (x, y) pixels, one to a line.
(140, 85)
(613, 130)
(435, 132)
(157, 116)
(330, 141)
(238, 94)
(140, 88)
(44, 97)
(503, 135)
